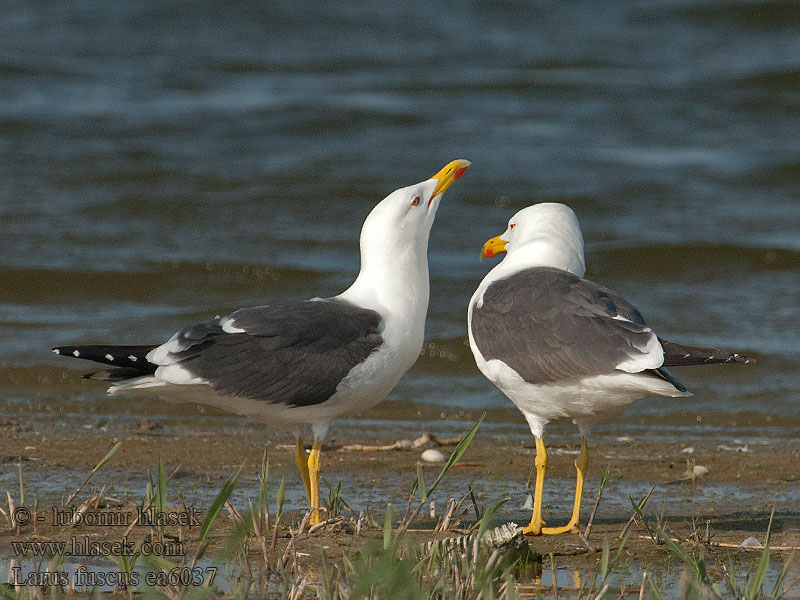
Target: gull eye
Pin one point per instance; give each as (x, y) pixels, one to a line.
(415, 201)
(512, 225)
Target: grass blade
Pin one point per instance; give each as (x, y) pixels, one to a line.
(423, 493)
(219, 502)
(387, 526)
(777, 588)
(262, 481)
(639, 506)
(460, 449)
(107, 457)
(161, 489)
(280, 497)
(604, 560)
(488, 516)
(682, 554)
(763, 563)
(654, 589)
(96, 468)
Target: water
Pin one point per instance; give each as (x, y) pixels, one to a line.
(162, 164)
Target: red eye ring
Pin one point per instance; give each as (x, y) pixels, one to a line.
(415, 201)
(512, 225)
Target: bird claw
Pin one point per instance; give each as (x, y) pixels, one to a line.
(568, 528)
(534, 528)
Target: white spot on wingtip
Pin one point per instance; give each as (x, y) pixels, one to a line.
(109, 357)
(132, 358)
(228, 326)
(76, 353)
(56, 351)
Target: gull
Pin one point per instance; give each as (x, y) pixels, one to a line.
(292, 364)
(558, 345)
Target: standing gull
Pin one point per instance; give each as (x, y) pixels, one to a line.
(559, 345)
(297, 363)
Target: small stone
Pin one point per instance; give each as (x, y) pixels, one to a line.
(688, 450)
(700, 471)
(432, 455)
(750, 542)
(625, 439)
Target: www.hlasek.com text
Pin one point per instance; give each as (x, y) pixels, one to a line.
(86, 546)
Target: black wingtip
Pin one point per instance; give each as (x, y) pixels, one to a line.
(66, 351)
(134, 357)
(681, 355)
(742, 359)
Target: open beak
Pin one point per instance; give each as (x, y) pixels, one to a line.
(450, 172)
(492, 247)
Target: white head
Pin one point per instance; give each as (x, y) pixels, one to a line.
(401, 223)
(394, 239)
(542, 235)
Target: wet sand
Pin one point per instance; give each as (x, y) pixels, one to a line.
(713, 514)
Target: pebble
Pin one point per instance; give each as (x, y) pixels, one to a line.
(625, 439)
(432, 455)
(750, 542)
(689, 450)
(700, 470)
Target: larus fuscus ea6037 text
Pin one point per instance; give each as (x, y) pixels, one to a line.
(559, 345)
(297, 363)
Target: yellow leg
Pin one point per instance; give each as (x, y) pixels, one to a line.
(313, 473)
(580, 466)
(302, 466)
(535, 526)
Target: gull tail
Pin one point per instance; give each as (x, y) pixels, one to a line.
(131, 361)
(680, 355)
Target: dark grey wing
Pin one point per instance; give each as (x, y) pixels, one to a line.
(548, 325)
(288, 353)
